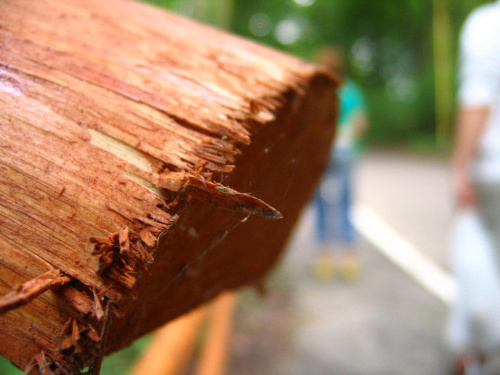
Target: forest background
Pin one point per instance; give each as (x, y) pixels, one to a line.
(403, 53)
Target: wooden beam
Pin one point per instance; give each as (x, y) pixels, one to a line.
(142, 156)
(216, 347)
(172, 346)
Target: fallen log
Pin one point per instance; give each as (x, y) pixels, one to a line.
(142, 159)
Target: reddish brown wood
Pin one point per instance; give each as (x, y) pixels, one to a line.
(141, 158)
(32, 289)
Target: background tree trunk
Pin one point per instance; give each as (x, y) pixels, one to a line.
(444, 59)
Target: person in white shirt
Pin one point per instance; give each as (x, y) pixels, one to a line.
(476, 157)
(476, 154)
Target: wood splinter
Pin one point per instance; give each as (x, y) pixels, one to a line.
(32, 289)
(219, 195)
(43, 363)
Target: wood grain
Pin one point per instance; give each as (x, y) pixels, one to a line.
(134, 145)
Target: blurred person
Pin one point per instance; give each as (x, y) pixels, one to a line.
(335, 232)
(476, 154)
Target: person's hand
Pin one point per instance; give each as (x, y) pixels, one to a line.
(463, 188)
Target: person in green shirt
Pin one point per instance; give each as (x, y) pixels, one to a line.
(335, 232)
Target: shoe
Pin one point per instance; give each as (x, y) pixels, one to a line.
(350, 267)
(325, 269)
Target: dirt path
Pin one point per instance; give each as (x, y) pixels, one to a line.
(385, 323)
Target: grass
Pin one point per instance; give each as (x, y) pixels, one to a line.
(119, 363)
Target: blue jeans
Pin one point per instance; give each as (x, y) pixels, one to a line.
(333, 201)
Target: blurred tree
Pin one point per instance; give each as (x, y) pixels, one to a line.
(388, 45)
(402, 52)
(443, 67)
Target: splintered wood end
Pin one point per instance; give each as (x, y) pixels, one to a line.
(197, 186)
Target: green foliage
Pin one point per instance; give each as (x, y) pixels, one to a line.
(7, 368)
(388, 45)
(117, 364)
(122, 361)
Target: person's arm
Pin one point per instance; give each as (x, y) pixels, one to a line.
(479, 78)
(470, 125)
(359, 124)
(358, 120)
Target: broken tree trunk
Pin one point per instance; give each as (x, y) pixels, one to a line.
(141, 158)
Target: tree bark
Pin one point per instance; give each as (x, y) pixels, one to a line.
(141, 158)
